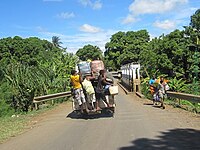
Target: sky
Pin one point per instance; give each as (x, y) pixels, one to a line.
(81, 22)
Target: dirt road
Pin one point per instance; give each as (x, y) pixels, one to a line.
(136, 125)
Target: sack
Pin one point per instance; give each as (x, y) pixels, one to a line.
(113, 90)
(96, 66)
(84, 67)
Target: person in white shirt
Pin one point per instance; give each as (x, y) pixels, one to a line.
(87, 85)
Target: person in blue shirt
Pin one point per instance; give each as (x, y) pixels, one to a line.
(153, 88)
(152, 80)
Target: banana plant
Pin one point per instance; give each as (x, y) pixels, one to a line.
(24, 81)
(177, 85)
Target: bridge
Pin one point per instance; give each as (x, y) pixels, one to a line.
(136, 124)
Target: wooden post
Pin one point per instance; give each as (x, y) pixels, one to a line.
(136, 83)
(52, 102)
(179, 102)
(134, 86)
(36, 106)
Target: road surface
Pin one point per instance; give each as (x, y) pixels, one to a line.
(136, 125)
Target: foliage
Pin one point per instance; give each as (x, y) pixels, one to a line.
(175, 54)
(24, 81)
(145, 88)
(193, 88)
(125, 47)
(32, 67)
(89, 52)
(195, 20)
(177, 85)
(5, 109)
(56, 41)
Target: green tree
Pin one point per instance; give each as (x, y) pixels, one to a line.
(195, 20)
(56, 41)
(89, 52)
(125, 47)
(32, 67)
(114, 49)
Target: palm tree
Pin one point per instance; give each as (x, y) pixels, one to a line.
(56, 41)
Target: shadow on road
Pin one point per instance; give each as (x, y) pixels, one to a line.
(175, 139)
(158, 105)
(103, 114)
(148, 104)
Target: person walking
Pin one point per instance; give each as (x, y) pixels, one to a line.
(153, 88)
(162, 88)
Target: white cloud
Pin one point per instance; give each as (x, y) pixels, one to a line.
(89, 28)
(66, 15)
(97, 5)
(40, 29)
(97, 39)
(141, 7)
(154, 6)
(94, 5)
(85, 2)
(74, 42)
(129, 19)
(166, 24)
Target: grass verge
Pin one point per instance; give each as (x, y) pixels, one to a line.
(17, 124)
(184, 104)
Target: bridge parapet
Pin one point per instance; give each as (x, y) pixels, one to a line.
(131, 76)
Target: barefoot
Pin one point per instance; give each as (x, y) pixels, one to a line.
(98, 108)
(87, 110)
(110, 105)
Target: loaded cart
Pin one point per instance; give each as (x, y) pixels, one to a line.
(90, 72)
(103, 108)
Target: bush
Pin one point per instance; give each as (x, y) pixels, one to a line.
(5, 109)
(145, 90)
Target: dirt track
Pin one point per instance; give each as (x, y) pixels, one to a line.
(136, 125)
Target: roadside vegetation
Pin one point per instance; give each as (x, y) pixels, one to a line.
(176, 56)
(31, 67)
